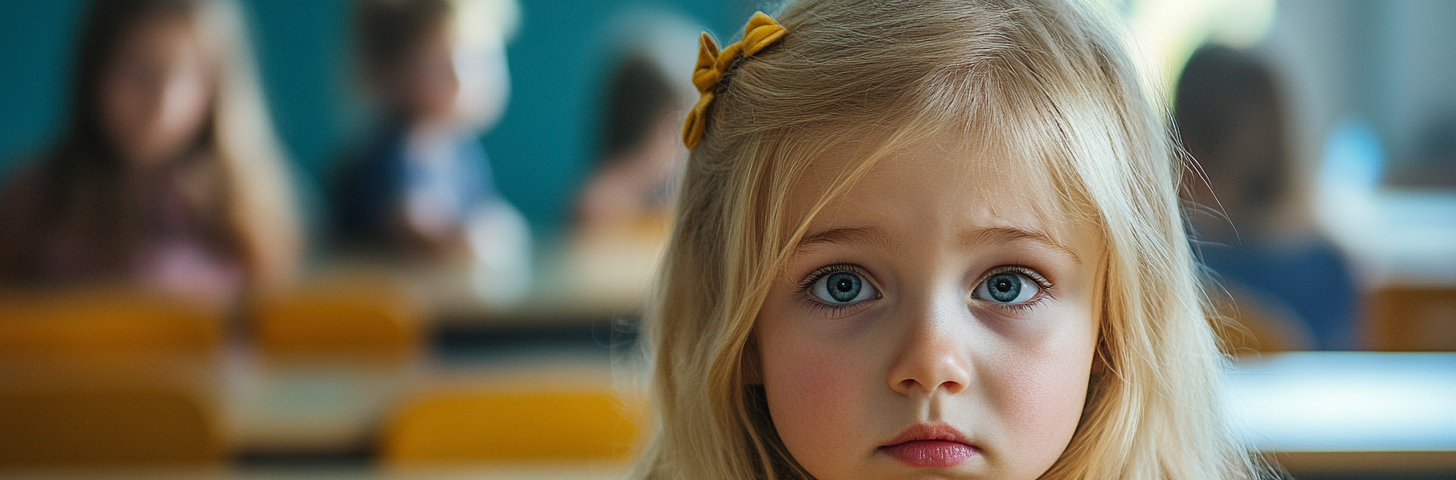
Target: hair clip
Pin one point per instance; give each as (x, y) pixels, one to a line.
(761, 32)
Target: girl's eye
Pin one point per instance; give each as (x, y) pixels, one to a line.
(843, 288)
(1007, 288)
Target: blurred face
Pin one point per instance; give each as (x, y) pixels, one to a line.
(933, 323)
(454, 81)
(155, 93)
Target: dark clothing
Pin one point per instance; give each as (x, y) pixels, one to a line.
(1313, 279)
(375, 191)
(144, 231)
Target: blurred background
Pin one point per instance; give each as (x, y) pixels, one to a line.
(377, 238)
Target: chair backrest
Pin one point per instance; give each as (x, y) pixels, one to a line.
(1412, 319)
(483, 426)
(105, 322)
(82, 424)
(375, 319)
(107, 377)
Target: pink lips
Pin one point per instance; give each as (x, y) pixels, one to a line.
(930, 446)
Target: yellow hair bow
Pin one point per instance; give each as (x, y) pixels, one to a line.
(761, 32)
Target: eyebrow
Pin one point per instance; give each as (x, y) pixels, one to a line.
(874, 236)
(862, 235)
(990, 235)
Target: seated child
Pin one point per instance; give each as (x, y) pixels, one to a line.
(169, 175)
(639, 152)
(1267, 252)
(438, 69)
(932, 239)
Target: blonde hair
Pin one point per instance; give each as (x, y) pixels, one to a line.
(1044, 78)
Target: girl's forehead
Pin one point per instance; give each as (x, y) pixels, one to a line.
(945, 182)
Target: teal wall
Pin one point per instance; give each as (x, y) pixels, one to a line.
(538, 151)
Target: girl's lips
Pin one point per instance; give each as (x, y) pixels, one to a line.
(930, 453)
(930, 446)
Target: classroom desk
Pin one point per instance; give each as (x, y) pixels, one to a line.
(1349, 412)
(573, 283)
(336, 408)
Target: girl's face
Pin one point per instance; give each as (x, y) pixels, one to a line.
(935, 322)
(156, 91)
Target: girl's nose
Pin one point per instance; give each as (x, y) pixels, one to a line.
(933, 353)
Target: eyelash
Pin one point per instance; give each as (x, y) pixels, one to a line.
(827, 270)
(1041, 281)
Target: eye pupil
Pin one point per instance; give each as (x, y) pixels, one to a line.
(1005, 287)
(844, 287)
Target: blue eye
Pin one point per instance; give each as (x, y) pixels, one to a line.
(843, 288)
(1007, 288)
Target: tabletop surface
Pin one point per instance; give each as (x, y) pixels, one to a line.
(1346, 401)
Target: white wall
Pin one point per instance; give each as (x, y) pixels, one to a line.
(1391, 63)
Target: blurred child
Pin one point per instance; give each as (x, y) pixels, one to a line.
(423, 187)
(639, 151)
(169, 174)
(622, 215)
(1267, 251)
(931, 239)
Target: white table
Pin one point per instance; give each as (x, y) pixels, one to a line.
(1349, 411)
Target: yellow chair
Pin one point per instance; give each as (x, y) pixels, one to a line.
(121, 412)
(1412, 319)
(107, 377)
(105, 322)
(513, 426)
(349, 319)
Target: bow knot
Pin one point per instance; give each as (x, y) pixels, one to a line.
(760, 32)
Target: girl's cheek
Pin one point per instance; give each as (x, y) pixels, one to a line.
(810, 379)
(1040, 393)
(815, 394)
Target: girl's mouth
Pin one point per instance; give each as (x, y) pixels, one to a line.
(930, 446)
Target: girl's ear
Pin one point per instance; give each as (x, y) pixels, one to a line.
(749, 363)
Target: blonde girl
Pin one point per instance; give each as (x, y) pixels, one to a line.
(931, 238)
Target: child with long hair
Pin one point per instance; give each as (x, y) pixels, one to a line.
(932, 238)
(169, 175)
